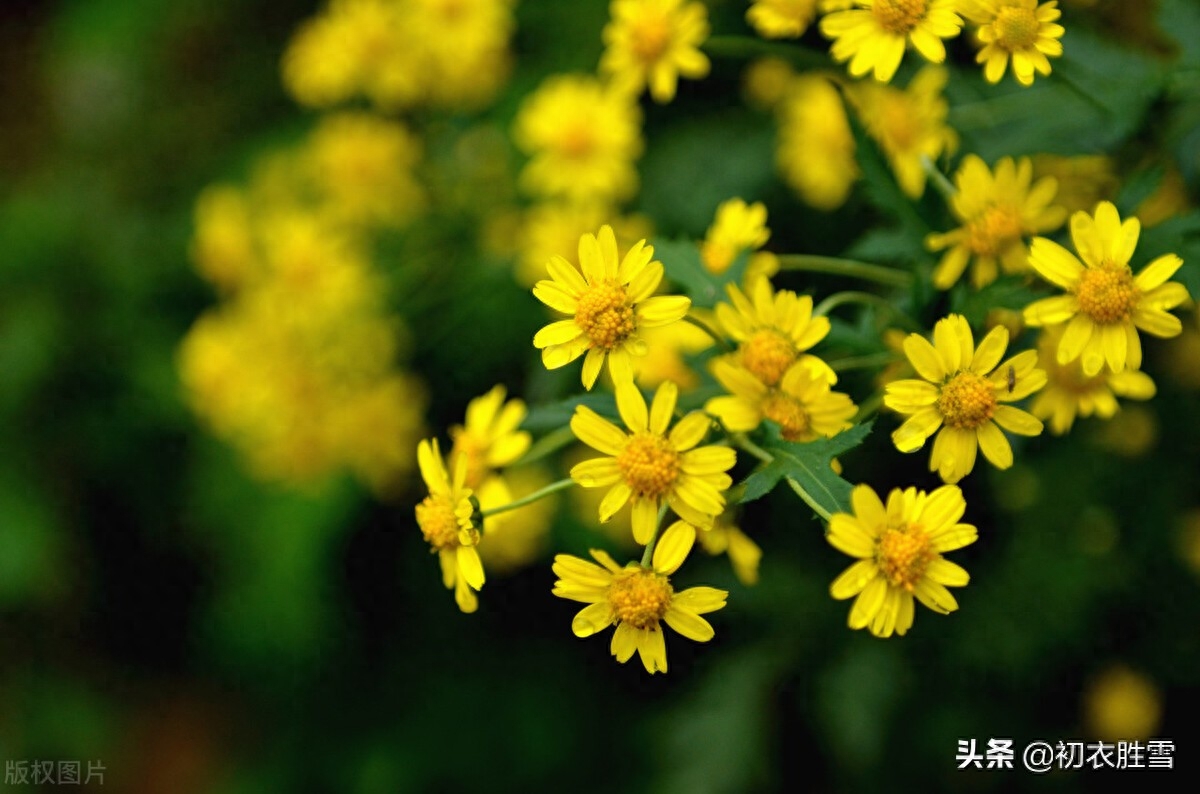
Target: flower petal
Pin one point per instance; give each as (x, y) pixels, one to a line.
(689, 624)
(852, 580)
(994, 445)
(924, 358)
(597, 432)
(663, 407)
(593, 618)
(1014, 420)
(673, 547)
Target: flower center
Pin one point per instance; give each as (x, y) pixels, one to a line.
(967, 401)
(640, 597)
(789, 413)
(1107, 293)
(903, 554)
(993, 231)
(439, 525)
(767, 355)
(899, 16)
(649, 38)
(649, 465)
(718, 255)
(577, 142)
(1016, 28)
(899, 122)
(604, 315)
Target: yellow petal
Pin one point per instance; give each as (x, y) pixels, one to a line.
(994, 445)
(852, 580)
(644, 519)
(868, 508)
(689, 624)
(614, 500)
(673, 547)
(469, 566)
(632, 407)
(1014, 420)
(593, 618)
(924, 358)
(947, 573)
(663, 407)
(700, 600)
(849, 537)
(690, 430)
(597, 432)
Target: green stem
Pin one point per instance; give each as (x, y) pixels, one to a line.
(754, 449)
(862, 362)
(845, 267)
(938, 179)
(648, 554)
(869, 407)
(767, 457)
(808, 500)
(541, 493)
(703, 326)
(547, 445)
(867, 299)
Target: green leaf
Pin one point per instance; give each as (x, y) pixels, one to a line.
(1139, 187)
(1179, 235)
(1007, 292)
(809, 464)
(681, 261)
(882, 189)
(551, 416)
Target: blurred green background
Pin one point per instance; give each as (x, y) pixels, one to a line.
(200, 631)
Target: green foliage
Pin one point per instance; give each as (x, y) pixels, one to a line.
(683, 266)
(809, 464)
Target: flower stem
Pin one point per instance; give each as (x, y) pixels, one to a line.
(808, 500)
(648, 554)
(541, 493)
(845, 267)
(938, 179)
(867, 299)
(862, 362)
(869, 407)
(703, 326)
(766, 457)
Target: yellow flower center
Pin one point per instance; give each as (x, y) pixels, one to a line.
(577, 142)
(789, 413)
(993, 231)
(899, 122)
(903, 554)
(604, 314)
(967, 401)
(1107, 293)
(640, 597)
(767, 355)
(649, 465)
(439, 525)
(1016, 28)
(717, 255)
(650, 37)
(899, 16)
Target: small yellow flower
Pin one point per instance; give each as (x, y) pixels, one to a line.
(766, 81)
(727, 538)
(738, 227)
(773, 330)
(781, 19)
(609, 302)
(815, 152)
(223, 248)
(899, 550)
(654, 42)
(1083, 180)
(638, 599)
(1069, 392)
(1021, 30)
(552, 227)
(445, 519)
(801, 404)
(1105, 303)
(650, 466)
(666, 359)
(873, 36)
(909, 125)
(961, 396)
(582, 139)
(997, 211)
(489, 439)
(1121, 704)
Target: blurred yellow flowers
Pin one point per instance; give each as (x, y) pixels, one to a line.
(654, 43)
(899, 549)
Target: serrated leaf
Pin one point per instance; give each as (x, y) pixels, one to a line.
(681, 261)
(552, 416)
(809, 464)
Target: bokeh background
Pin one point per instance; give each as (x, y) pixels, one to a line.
(199, 627)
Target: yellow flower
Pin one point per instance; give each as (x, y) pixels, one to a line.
(650, 466)
(899, 550)
(610, 304)
(582, 140)
(1122, 705)
(445, 518)
(1083, 180)
(725, 537)
(815, 152)
(223, 248)
(665, 359)
(766, 82)
(738, 227)
(489, 439)
(654, 42)
(638, 599)
(553, 227)
(1021, 30)
(909, 124)
(781, 19)
(997, 211)
(961, 394)
(1105, 303)
(874, 35)
(773, 331)
(801, 404)
(1069, 392)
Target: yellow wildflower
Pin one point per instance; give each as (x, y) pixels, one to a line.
(766, 82)
(489, 439)
(997, 211)
(909, 125)
(873, 36)
(582, 139)
(773, 330)
(961, 395)
(445, 517)
(1105, 303)
(223, 248)
(738, 227)
(610, 303)
(553, 227)
(665, 359)
(781, 19)
(650, 466)
(1069, 392)
(802, 403)
(815, 152)
(1021, 30)
(727, 538)
(1122, 705)
(1083, 180)
(638, 599)
(899, 550)
(654, 43)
